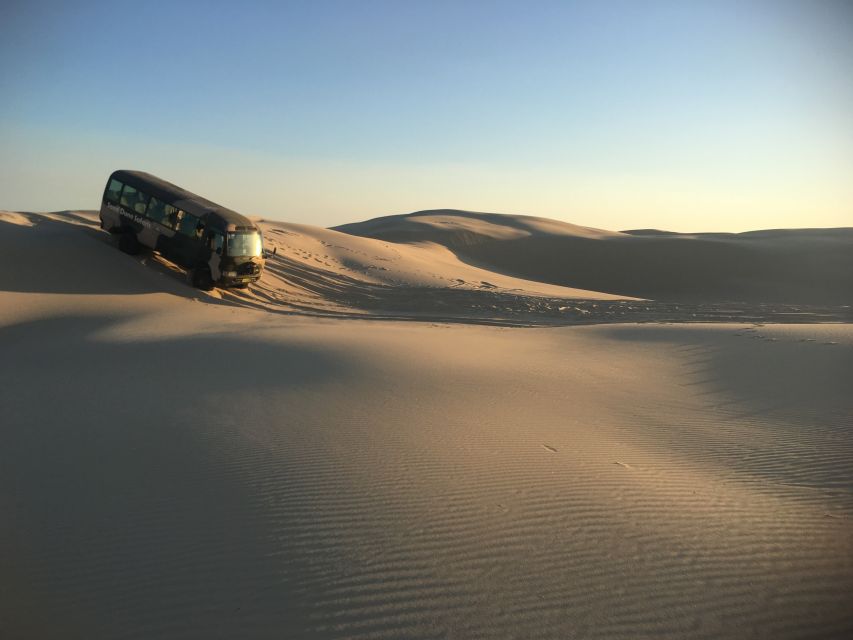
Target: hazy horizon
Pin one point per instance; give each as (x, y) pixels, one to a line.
(712, 116)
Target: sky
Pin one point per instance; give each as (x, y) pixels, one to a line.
(688, 116)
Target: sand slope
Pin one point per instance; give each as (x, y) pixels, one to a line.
(323, 272)
(323, 269)
(184, 465)
(804, 266)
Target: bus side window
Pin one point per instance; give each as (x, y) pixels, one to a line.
(156, 210)
(141, 202)
(113, 191)
(173, 215)
(188, 224)
(129, 196)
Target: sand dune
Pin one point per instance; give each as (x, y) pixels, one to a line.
(800, 266)
(288, 462)
(421, 266)
(325, 272)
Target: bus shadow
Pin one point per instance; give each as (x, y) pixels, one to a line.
(67, 253)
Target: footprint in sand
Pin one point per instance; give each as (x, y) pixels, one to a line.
(622, 464)
(548, 448)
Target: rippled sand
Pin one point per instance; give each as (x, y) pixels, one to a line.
(177, 465)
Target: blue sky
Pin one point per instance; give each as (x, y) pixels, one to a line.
(681, 115)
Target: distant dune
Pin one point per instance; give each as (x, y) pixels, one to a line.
(798, 266)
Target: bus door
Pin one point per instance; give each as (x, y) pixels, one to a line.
(214, 241)
(186, 246)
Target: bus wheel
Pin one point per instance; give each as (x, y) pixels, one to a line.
(202, 278)
(128, 243)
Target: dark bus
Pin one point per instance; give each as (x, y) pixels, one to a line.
(217, 246)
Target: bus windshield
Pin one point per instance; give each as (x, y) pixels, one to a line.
(244, 244)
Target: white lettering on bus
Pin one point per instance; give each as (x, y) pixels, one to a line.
(133, 216)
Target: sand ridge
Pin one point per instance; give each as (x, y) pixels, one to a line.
(328, 273)
(806, 266)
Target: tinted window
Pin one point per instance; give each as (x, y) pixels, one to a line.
(129, 196)
(173, 214)
(113, 191)
(189, 225)
(133, 199)
(156, 210)
(141, 202)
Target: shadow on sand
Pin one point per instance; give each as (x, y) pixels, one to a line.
(130, 508)
(67, 253)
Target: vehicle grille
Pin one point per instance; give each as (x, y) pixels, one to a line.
(249, 269)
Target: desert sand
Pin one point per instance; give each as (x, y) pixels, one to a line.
(445, 425)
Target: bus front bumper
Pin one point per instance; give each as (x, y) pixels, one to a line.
(232, 279)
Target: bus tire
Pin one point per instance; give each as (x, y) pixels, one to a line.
(128, 243)
(202, 278)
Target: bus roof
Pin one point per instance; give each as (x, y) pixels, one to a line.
(186, 200)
